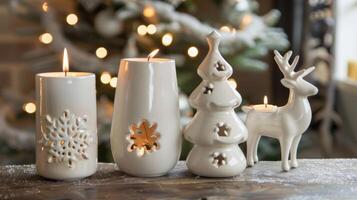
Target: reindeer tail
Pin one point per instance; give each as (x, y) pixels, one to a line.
(246, 109)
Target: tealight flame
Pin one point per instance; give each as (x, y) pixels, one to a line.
(65, 64)
(265, 101)
(153, 53)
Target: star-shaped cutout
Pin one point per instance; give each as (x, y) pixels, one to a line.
(220, 66)
(222, 129)
(219, 159)
(208, 89)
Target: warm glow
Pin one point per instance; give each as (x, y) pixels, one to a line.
(153, 53)
(29, 107)
(149, 11)
(142, 30)
(151, 29)
(45, 6)
(46, 38)
(65, 64)
(265, 101)
(105, 78)
(101, 52)
(246, 21)
(72, 19)
(232, 82)
(167, 39)
(225, 29)
(113, 82)
(192, 51)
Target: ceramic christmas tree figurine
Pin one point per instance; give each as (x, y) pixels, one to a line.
(215, 130)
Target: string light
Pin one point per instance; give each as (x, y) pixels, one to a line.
(45, 6)
(105, 77)
(151, 29)
(225, 29)
(232, 82)
(113, 82)
(46, 38)
(167, 39)
(142, 30)
(72, 19)
(29, 107)
(192, 51)
(101, 52)
(149, 11)
(246, 20)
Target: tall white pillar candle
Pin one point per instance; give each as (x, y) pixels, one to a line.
(145, 136)
(66, 125)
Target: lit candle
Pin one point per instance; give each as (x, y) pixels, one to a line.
(265, 107)
(65, 63)
(146, 124)
(152, 54)
(66, 138)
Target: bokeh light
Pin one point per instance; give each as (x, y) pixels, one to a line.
(167, 39)
(101, 52)
(192, 51)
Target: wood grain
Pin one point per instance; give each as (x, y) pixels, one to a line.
(314, 179)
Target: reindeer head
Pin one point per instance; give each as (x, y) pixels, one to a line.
(294, 80)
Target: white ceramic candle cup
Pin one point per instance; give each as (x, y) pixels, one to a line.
(66, 138)
(145, 136)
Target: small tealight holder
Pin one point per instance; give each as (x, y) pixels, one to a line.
(286, 123)
(265, 107)
(66, 137)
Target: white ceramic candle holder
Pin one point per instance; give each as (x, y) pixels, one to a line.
(145, 136)
(66, 125)
(286, 123)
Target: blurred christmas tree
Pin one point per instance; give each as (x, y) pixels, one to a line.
(98, 33)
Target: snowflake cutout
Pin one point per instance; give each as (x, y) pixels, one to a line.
(66, 138)
(220, 66)
(219, 159)
(222, 129)
(143, 138)
(208, 89)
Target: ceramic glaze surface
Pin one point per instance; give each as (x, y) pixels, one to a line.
(215, 130)
(66, 124)
(286, 123)
(145, 135)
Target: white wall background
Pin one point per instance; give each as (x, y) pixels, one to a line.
(346, 36)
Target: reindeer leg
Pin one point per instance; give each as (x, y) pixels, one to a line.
(251, 142)
(256, 150)
(285, 145)
(293, 151)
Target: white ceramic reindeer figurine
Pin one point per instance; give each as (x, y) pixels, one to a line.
(286, 123)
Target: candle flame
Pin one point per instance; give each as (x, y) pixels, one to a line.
(265, 101)
(65, 64)
(153, 53)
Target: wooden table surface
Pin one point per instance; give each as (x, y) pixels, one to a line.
(314, 179)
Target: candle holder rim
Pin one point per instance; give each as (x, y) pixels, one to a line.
(151, 60)
(60, 75)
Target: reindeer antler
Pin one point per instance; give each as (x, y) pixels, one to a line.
(286, 68)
